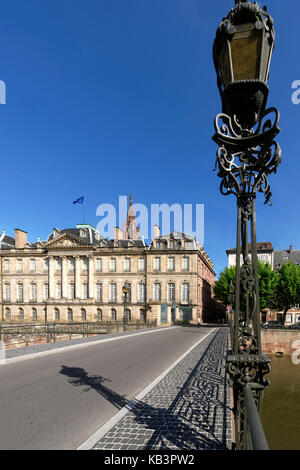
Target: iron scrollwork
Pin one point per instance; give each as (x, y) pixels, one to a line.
(245, 160)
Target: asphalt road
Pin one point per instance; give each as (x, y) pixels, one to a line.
(59, 400)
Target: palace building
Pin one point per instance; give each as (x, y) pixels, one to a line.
(77, 275)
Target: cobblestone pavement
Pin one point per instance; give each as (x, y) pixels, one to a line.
(189, 409)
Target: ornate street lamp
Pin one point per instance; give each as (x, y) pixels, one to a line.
(242, 54)
(125, 290)
(247, 155)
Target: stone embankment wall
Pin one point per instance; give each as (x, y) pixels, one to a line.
(280, 341)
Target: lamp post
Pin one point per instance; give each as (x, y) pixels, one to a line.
(246, 156)
(125, 289)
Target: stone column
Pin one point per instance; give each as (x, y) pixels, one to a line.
(91, 277)
(51, 281)
(77, 278)
(64, 278)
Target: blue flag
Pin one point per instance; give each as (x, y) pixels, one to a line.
(79, 201)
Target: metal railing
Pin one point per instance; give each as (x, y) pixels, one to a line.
(28, 333)
(255, 436)
(249, 432)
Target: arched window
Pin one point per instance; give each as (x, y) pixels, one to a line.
(56, 314)
(7, 314)
(128, 314)
(143, 315)
(113, 314)
(34, 314)
(99, 314)
(83, 314)
(70, 314)
(21, 314)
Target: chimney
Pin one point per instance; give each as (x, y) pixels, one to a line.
(156, 231)
(20, 238)
(118, 234)
(291, 249)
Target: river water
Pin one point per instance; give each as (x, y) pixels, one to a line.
(281, 406)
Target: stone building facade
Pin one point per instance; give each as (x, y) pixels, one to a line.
(77, 275)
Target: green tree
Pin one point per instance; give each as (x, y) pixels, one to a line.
(267, 278)
(221, 288)
(288, 288)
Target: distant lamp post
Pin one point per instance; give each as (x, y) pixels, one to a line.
(125, 290)
(246, 156)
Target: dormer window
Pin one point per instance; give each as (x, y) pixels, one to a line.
(83, 233)
(171, 244)
(157, 244)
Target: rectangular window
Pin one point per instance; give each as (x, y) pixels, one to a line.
(46, 265)
(71, 291)
(185, 292)
(20, 292)
(6, 266)
(7, 292)
(113, 264)
(58, 264)
(171, 291)
(46, 291)
(157, 291)
(142, 264)
(142, 292)
(98, 265)
(32, 266)
(99, 292)
(171, 264)
(72, 264)
(19, 266)
(85, 264)
(84, 291)
(113, 292)
(58, 291)
(156, 264)
(126, 264)
(33, 292)
(185, 263)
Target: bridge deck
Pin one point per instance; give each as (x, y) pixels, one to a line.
(189, 409)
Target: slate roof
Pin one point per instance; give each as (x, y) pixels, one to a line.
(7, 243)
(91, 236)
(177, 237)
(285, 256)
(262, 247)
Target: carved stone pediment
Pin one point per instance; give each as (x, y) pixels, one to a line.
(67, 241)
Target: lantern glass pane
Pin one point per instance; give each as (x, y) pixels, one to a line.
(266, 58)
(246, 54)
(225, 65)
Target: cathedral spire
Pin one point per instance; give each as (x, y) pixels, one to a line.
(131, 230)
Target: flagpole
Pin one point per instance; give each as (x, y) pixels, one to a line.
(83, 211)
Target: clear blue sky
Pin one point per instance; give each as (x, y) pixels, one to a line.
(105, 98)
